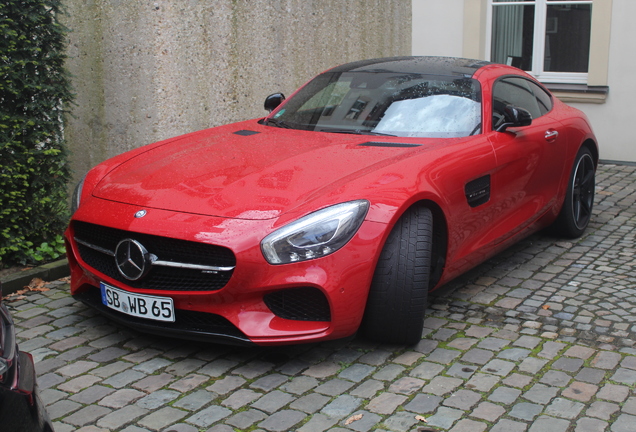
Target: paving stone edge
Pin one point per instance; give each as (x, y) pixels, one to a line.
(48, 272)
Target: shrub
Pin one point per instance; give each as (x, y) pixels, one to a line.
(34, 89)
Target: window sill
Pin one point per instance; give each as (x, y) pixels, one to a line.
(579, 93)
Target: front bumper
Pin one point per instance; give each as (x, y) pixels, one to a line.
(259, 303)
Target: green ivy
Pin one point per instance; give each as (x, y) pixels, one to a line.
(34, 91)
(48, 251)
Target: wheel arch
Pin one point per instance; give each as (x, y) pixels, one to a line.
(593, 148)
(440, 239)
(588, 143)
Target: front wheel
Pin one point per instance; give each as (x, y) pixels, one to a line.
(579, 199)
(399, 289)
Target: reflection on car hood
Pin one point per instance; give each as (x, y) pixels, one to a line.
(246, 170)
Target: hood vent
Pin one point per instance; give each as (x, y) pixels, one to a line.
(246, 132)
(387, 144)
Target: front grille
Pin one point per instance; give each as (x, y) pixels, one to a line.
(166, 249)
(193, 324)
(300, 304)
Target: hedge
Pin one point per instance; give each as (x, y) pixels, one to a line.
(34, 170)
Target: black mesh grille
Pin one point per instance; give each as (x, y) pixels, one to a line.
(185, 321)
(167, 249)
(301, 304)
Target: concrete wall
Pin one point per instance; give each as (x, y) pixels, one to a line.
(148, 70)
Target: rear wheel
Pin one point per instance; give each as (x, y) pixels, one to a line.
(579, 199)
(398, 293)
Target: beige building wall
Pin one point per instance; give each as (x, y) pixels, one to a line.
(613, 34)
(612, 119)
(438, 27)
(148, 70)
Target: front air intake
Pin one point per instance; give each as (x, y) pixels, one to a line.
(300, 304)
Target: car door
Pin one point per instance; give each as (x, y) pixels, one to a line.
(530, 159)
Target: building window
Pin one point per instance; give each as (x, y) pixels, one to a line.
(548, 38)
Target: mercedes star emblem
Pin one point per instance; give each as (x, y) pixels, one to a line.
(132, 259)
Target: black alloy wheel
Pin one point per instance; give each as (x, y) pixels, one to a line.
(579, 200)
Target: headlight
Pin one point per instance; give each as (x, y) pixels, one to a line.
(316, 235)
(77, 195)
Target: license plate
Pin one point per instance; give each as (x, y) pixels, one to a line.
(139, 305)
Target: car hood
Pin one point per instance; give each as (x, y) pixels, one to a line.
(247, 170)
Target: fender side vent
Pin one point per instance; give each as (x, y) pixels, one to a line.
(246, 132)
(387, 144)
(478, 191)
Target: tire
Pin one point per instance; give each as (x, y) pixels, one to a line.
(577, 208)
(399, 289)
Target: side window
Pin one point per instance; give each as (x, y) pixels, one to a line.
(544, 99)
(521, 93)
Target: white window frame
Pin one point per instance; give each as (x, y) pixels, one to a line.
(538, 46)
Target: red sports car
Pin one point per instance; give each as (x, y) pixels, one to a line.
(373, 184)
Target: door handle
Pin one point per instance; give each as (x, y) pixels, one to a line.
(551, 135)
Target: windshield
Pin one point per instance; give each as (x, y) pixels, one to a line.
(382, 103)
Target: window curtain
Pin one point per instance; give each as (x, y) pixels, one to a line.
(507, 33)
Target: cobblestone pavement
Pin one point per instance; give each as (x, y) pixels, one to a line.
(540, 338)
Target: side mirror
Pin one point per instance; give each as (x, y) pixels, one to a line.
(272, 101)
(515, 117)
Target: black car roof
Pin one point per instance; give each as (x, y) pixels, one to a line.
(419, 65)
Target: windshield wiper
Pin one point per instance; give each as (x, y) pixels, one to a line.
(278, 123)
(355, 131)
